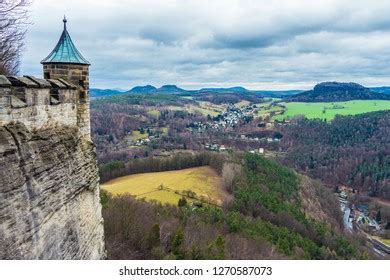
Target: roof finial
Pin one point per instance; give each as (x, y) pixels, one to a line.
(64, 20)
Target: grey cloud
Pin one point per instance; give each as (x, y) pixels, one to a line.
(196, 43)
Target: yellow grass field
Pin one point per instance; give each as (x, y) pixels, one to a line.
(203, 181)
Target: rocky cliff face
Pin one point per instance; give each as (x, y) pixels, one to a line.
(49, 193)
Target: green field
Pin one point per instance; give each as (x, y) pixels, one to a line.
(169, 186)
(164, 130)
(136, 135)
(329, 110)
(265, 110)
(154, 113)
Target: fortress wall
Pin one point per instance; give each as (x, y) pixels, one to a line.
(49, 182)
(42, 116)
(39, 108)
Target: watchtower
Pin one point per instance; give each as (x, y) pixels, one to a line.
(66, 62)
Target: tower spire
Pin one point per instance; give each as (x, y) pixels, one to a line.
(65, 21)
(65, 51)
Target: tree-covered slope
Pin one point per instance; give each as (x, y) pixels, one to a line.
(350, 150)
(334, 92)
(268, 217)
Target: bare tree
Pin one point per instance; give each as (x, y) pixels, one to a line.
(230, 171)
(13, 22)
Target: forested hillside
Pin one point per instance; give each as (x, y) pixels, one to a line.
(265, 219)
(350, 150)
(335, 92)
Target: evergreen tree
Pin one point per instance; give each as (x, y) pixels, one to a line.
(177, 245)
(196, 253)
(216, 250)
(182, 202)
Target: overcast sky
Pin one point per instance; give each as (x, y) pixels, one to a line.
(259, 44)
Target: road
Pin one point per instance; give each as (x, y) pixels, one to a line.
(347, 220)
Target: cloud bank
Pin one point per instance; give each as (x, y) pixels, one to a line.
(260, 44)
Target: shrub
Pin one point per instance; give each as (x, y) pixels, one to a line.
(182, 202)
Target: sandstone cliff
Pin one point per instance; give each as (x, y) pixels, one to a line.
(49, 194)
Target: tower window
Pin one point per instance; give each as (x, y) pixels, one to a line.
(81, 83)
(46, 75)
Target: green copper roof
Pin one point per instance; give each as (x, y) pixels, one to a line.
(65, 51)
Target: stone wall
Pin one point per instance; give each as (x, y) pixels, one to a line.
(49, 193)
(37, 103)
(76, 74)
(49, 182)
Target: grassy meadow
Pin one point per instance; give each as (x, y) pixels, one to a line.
(265, 110)
(242, 104)
(169, 186)
(202, 107)
(154, 113)
(136, 134)
(329, 110)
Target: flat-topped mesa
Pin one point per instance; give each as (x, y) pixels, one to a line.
(38, 103)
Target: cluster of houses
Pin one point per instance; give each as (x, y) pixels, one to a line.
(215, 147)
(222, 148)
(362, 217)
(141, 142)
(359, 214)
(148, 135)
(229, 118)
(233, 115)
(359, 217)
(263, 139)
(257, 151)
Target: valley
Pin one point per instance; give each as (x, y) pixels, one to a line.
(180, 151)
(194, 130)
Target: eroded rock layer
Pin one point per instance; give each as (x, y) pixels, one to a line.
(49, 194)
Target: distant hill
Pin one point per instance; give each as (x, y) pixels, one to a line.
(231, 89)
(278, 93)
(96, 92)
(331, 91)
(264, 93)
(173, 89)
(335, 91)
(143, 89)
(170, 89)
(385, 90)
